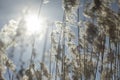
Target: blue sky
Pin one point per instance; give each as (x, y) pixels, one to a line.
(12, 9)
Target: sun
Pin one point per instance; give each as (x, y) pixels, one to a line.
(34, 24)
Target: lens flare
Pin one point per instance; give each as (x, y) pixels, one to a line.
(34, 24)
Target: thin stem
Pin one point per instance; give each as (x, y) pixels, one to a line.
(56, 70)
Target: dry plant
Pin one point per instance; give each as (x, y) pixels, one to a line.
(90, 52)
